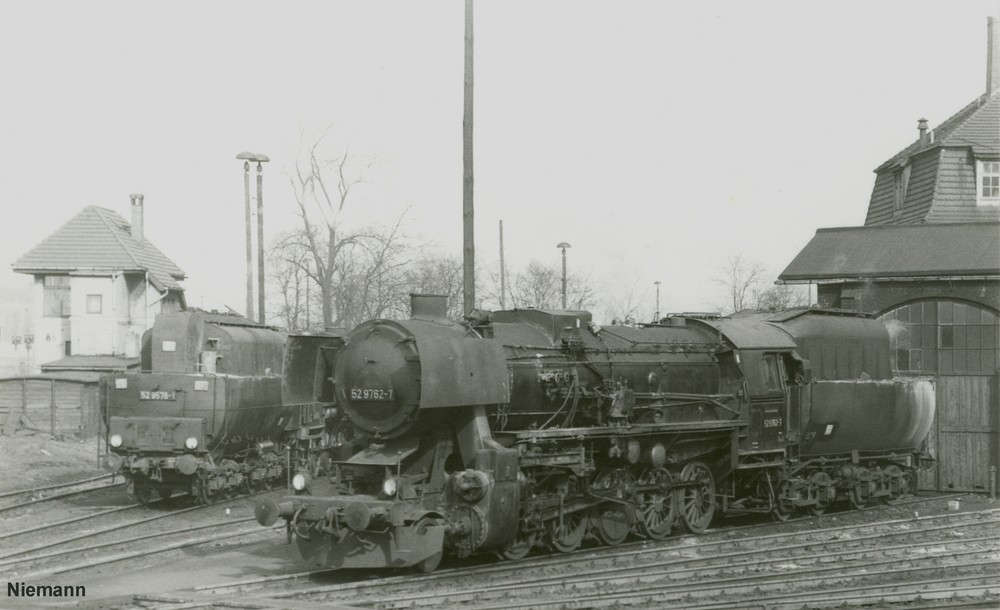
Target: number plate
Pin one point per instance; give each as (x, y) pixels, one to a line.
(159, 395)
(371, 394)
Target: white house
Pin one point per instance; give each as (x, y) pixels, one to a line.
(98, 286)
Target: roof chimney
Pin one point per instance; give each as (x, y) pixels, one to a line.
(137, 216)
(992, 57)
(922, 128)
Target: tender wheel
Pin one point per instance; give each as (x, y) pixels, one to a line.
(205, 494)
(657, 507)
(858, 494)
(697, 502)
(568, 536)
(612, 521)
(782, 511)
(897, 483)
(820, 484)
(519, 547)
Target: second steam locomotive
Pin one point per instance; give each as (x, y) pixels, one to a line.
(211, 413)
(537, 428)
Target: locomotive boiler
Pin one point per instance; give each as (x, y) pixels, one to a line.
(537, 428)
(207, 414)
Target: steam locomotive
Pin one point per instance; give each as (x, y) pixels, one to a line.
(537, 428)
(207, 414)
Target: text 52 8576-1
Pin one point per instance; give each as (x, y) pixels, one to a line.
(371, 394)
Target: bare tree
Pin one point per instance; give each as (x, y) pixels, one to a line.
(541, 286)
(741, 278)
(621, 305)
(286, 260)
(782, 297)
(322, 188)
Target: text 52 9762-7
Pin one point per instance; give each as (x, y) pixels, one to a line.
(371, 394)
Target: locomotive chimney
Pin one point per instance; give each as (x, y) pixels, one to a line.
(430, 307)
(137, 216)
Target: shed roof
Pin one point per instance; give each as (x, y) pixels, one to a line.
(98, 240)
(91, 363)
(898, 251)
(973, 126)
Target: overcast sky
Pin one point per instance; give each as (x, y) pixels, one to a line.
(655, 137)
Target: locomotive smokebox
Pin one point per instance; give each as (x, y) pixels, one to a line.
(430, 307)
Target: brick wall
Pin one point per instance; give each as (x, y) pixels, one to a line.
(879, 297)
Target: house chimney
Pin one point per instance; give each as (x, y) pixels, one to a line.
(137, 216)
(992, 58)
(922, 128)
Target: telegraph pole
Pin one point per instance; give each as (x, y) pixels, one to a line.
(468, 215)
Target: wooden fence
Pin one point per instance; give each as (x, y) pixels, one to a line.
(64, 405)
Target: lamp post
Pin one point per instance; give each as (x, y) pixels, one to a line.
(247, 157)
(260, 236)
(563, 245)
(656, 316)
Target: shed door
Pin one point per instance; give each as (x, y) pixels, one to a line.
(968, 431)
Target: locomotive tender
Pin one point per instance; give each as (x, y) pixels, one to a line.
(207, 413)
(530, 428)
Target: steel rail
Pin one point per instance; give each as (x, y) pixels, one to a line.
(58, 496)
(145, 552)
(133, 539)
(586, 555)
(685, 588)
(113, 528)
(8, 494)
(736, 582)
(30, 530)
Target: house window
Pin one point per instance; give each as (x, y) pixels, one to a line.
(942, 336)
(55, 296)
(94, 303)
(988, 182)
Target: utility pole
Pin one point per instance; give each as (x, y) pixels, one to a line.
(246, 156)
(468, 212)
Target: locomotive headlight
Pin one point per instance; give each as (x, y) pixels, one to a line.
(116, 440)
(389, 487)
(191, 442)
(300, 481)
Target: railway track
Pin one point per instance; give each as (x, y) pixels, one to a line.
(54, 552)
(12, 500)
(901, 559)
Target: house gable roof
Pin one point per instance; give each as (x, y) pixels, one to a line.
(898, 251)
(98, 240)
(974, 126)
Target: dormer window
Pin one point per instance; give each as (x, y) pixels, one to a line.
(901, 179)
(988, 182)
